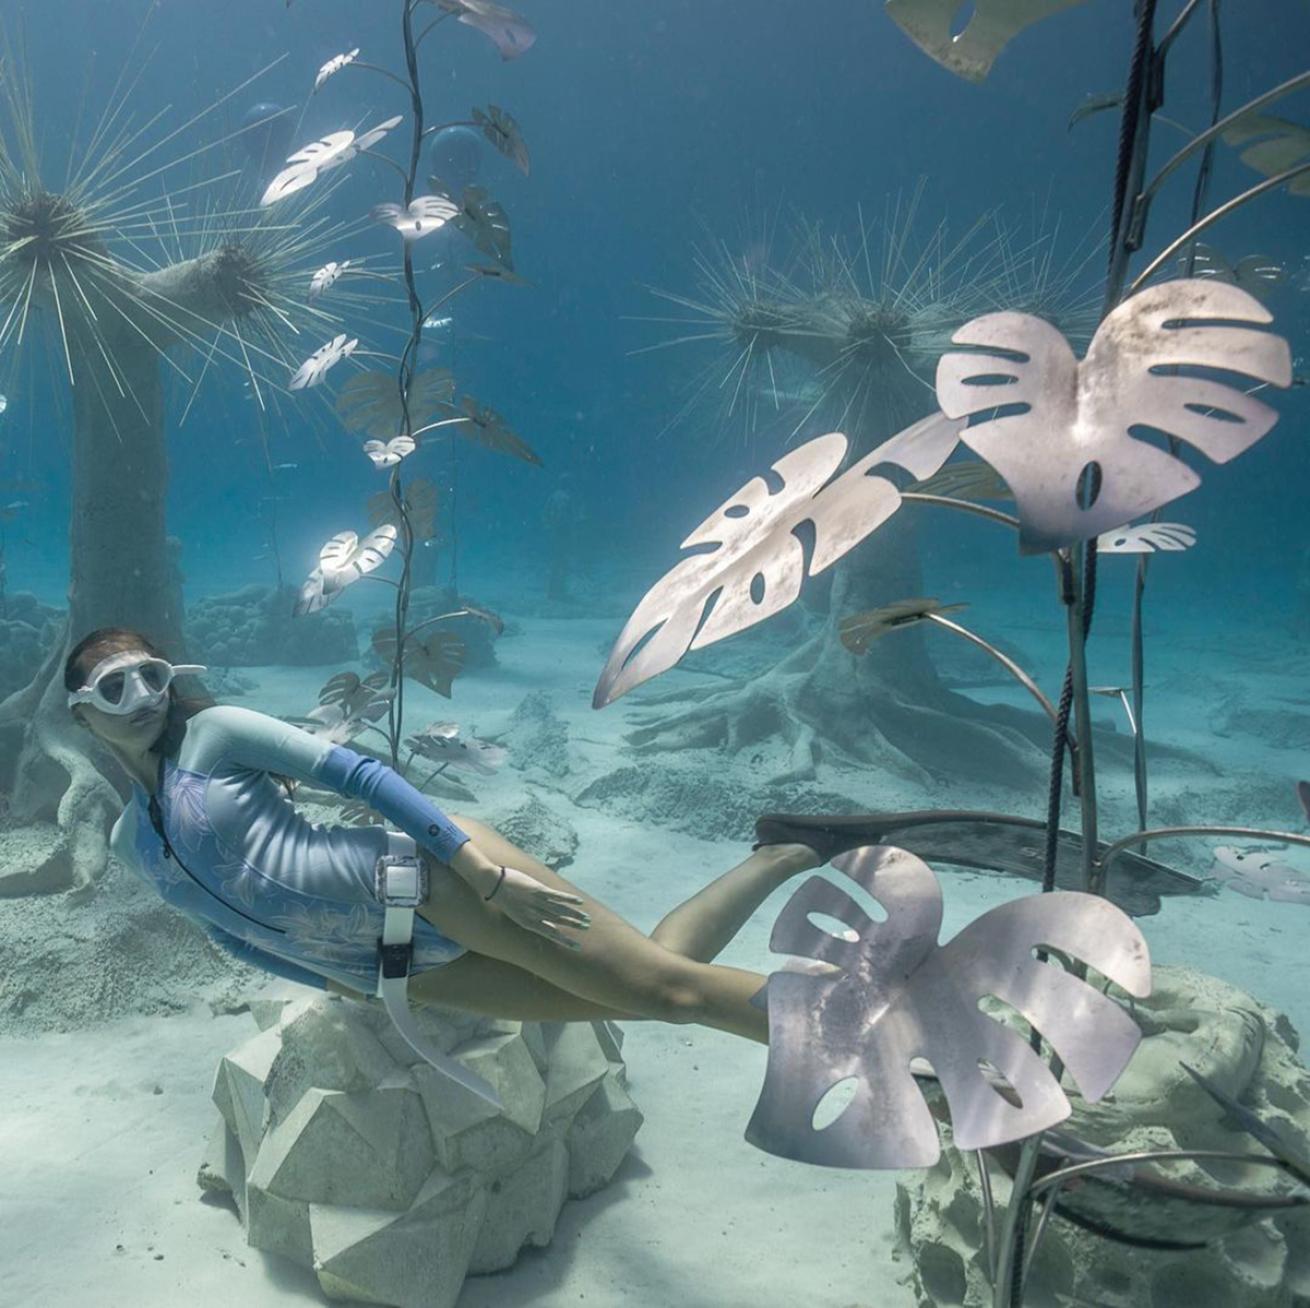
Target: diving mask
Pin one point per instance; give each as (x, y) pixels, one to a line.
(128, 682)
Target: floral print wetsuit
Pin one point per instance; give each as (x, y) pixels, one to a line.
(288, 895)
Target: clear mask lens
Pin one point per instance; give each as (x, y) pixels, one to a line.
(156, 676)
(111, 687)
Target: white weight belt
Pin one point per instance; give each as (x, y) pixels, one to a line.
(400, 881)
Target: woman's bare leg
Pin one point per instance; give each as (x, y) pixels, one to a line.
(616, 966)
(700, 927)
(697, 929)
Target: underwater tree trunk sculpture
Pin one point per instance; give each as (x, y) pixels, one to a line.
(121, 571)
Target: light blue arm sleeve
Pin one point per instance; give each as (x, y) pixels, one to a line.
(248, 953)
(256, 740)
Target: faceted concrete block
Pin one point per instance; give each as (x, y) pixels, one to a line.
(522, 1208)
(356, 1159)
(600, 1136)
(372, 1150)
(278, 1225)
(417, 1260)
(326, 1047)
(240, 1088)
(577, 1066)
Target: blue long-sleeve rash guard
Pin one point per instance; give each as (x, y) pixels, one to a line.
(289, 895)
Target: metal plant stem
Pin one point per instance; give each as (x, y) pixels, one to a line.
(1133, 138)
(1093, 877)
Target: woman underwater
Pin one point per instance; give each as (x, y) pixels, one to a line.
(498, 934)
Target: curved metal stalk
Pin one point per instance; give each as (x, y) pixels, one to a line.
(1003, 659)
(1016, 1218)
(374, 68)
(966, 506)
(1160, 833)
(989, 1213)
(1202, 139)
(1059, 1178)
(1269, 184)
(1039, 1230)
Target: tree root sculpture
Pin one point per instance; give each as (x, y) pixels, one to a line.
(952, 736)
(47, 770)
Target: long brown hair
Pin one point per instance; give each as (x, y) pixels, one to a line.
(103, 642)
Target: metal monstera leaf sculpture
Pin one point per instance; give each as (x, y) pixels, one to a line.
(931, 25)
(1043, 420)
(756, 564)
(900, 995)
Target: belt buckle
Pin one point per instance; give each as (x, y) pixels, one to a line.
(401, 880)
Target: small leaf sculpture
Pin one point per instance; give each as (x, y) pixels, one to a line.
(321, 362)
(901, 995)
(970, 479)
(485, 223)
(860, 630)
(757, 564)
(343, 560)
(1257, 876)
(433, 660)
(423, 215)
(359, 696)
(346, 705)
(510, 33)
(502, 131)
(1043, 419)
(386, 454)
(1146, 538)
(1273, 145)
(1256, 274)
(334, 66)
(992, 25)
(440, 742)
(355, 813)
(306, 165)
(497, 272)
(487, 428)
(327, 277)
(370, 401)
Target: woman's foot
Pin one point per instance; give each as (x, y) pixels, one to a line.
(789, 857)
(824, 836)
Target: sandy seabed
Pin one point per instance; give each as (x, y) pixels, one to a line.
(103, 1128)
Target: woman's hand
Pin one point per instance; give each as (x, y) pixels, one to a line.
(538, 907)
(534, 905)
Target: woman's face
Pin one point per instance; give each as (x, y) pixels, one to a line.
(135, 732)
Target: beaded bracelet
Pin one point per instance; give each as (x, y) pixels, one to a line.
(497, 885)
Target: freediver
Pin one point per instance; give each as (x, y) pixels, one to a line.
(497, 933)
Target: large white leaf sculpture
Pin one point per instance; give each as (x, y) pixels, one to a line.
(316, 367)
(305, 166)
(991, 26)
(344, 559)
(755, 564)
(899, 995)
(1043, 420)
(424, 215)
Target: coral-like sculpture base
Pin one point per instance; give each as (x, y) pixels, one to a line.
(347, 1154)
(1242, 1046)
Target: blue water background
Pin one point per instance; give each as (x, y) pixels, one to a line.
(655, 128)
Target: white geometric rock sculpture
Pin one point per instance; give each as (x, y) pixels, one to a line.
(349, 1155)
